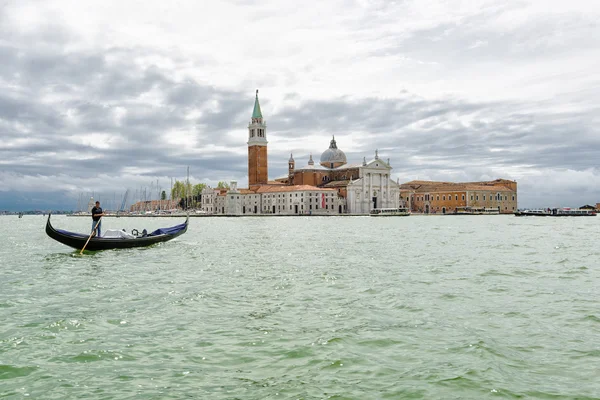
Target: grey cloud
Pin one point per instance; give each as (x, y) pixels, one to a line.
(476, 38)
(496, 134)
(442, 138)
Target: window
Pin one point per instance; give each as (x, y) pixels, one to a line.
(456, 197)
(477, 197)
(463, 197)
(513, 200)
(444, 197)
(471, 197)
(484, 197)
(438, 197)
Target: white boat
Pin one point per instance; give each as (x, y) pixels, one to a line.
(467, 210)
(538, 212)
(557, 212)
(486, 210)
(390, 212)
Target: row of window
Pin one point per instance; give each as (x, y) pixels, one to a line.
(310, 207)
(428, 197)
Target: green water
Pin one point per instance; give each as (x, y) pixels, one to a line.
(444, 307)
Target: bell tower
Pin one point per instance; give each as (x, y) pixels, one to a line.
(258, 171)
(291, 168)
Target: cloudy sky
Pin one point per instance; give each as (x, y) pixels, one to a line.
(101, 96)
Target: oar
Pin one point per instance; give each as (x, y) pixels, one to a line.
(91, 234)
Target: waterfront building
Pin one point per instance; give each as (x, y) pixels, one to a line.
(334, 186)
(331, 187)
(431, 197)
(154, 206)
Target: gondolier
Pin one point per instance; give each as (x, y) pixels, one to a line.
(97, 215)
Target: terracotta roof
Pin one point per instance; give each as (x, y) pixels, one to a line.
(246, 191)
(337, 183)
(433, 186)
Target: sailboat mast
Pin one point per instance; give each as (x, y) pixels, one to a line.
(187, 185)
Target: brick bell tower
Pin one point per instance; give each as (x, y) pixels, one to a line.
(258, 172)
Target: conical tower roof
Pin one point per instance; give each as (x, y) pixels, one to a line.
(256, 113)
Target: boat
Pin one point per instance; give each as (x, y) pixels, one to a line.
(557, 212)
(538, 212)
(467, 210)
(390, 212)
(126, 241)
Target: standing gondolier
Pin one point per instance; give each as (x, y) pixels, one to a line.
(97, 215)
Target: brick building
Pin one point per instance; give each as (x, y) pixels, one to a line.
(431, 197)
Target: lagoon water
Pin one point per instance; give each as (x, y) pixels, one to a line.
(438, 307)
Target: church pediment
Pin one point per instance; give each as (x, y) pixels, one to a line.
(377, 164)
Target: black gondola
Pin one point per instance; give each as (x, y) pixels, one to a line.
(77, 240)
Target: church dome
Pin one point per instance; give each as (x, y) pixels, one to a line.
(333, 157)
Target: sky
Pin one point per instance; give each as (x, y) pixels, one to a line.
(98, 97)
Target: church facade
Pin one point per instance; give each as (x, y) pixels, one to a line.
(331, 187)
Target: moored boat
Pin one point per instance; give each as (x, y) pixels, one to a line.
(390, 212)
(556, 212)
(78, 240)
(467, 210)
(533, 212)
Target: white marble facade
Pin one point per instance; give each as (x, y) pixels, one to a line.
(374, 188)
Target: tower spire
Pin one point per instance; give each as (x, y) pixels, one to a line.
(256, 113)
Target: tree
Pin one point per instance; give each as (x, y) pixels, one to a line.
(163, 195)
(222, 185)
(178, 190)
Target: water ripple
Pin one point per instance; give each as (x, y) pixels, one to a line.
(312, 308)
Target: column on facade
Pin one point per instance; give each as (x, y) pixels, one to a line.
(362, 194)
(387, 185)
(380, 194)
(369, 198)
(383, 199)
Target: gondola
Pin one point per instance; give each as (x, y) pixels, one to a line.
(78, 240)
